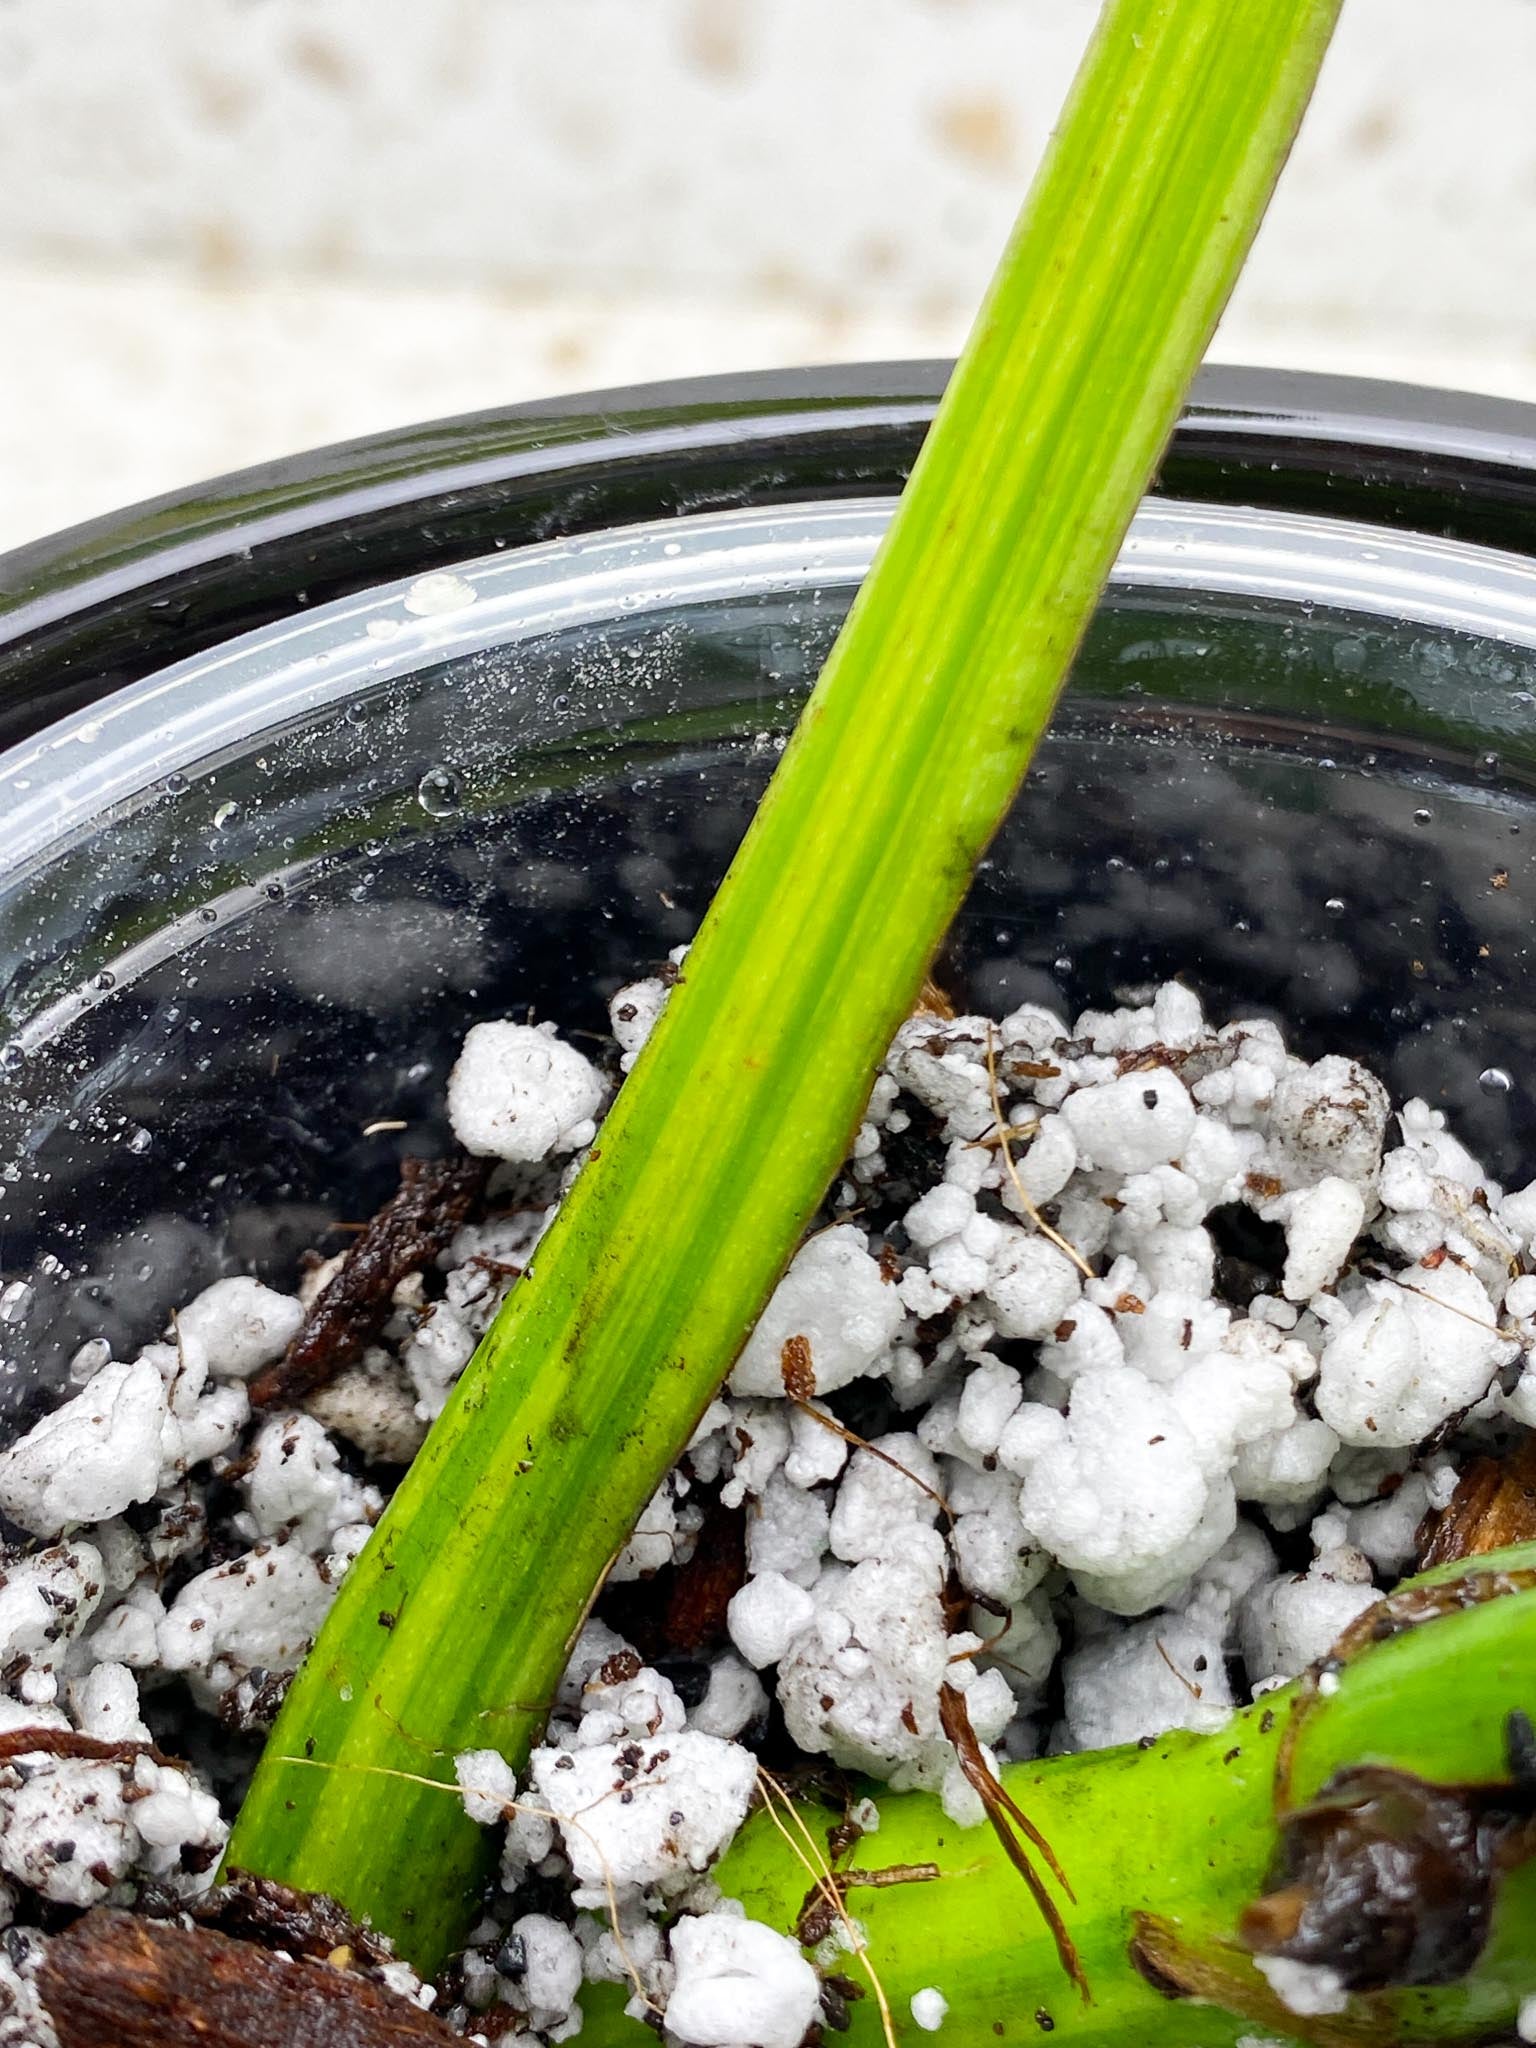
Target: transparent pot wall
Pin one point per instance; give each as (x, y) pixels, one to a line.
(249, 907)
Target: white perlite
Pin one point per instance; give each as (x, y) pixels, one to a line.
(688, 1794)
(1310, 1990)
(738, 1985)
(519, 1092)
(240, 1326)
(835, 1297)
(1106, 1450)
(930, 2009)
(90, 1459)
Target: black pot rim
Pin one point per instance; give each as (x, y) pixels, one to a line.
(97, 606)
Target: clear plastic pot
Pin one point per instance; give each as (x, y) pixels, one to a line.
(282, 818)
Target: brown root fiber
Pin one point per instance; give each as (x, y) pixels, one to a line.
(1004, 1817)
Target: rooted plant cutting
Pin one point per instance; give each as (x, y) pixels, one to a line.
(876, 1518)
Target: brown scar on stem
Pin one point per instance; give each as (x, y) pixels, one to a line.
(1004, 1815)
(1391, 1881)
(1391, 1616)
(1224, 1976)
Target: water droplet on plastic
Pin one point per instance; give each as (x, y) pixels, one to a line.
(225, 815)
(11, 1059)
(274, 892)
(105, 980)
(1335, 906)
(175, 785)
(1495, 1081)
(138, 1141)
(440, 792)
(440, 592)
(207, 915)
(15, 1302)
(89, 1359)
(1423, 817)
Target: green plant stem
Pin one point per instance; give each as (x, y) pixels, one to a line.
(451, 1629)
(1184, 1830)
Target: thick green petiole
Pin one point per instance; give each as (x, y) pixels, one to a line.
(1164, 1846)
(451, 1629)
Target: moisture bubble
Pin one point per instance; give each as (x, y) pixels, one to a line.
(1495, 1081)
(439, 592)
(440, 792)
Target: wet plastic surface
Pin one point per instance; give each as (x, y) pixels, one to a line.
(212, 990)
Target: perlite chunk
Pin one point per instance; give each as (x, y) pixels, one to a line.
(519, 1092)
(837, 1300)
(739, 1985)
(688, 1794)
(1405, 1355)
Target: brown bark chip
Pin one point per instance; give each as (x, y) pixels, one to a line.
(113, 1977)
(1494, 1504)
(434, 1198)
(703, 1588)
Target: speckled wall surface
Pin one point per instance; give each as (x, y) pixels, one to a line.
(228, 227)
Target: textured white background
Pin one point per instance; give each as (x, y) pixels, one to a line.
(230, 228)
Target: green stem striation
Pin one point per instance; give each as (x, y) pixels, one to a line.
(451, 1629)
